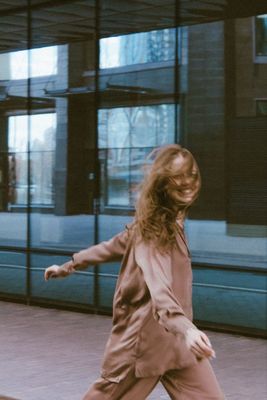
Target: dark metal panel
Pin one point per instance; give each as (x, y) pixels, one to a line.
(247, 163)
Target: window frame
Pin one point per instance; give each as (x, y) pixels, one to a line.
(257, 99)
(257, 58)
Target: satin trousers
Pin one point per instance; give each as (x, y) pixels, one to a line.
(194, 383)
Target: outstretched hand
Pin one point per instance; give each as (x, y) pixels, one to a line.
(52, 272)
(199, 343)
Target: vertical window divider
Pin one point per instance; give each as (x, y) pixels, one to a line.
(96, 150)
(176, 72)
(29, 109)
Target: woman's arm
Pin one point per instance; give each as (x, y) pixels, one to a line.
(157, 271)
(167, 310)
(107, 251)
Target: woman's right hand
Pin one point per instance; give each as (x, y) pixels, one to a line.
(53, 272)
(199, 343)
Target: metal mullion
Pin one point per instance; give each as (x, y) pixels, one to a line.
(176, 72)
(96, 155)
(29, 107)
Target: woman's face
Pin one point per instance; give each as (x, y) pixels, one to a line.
(185, 182)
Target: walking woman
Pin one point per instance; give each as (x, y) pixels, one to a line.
(153, 338)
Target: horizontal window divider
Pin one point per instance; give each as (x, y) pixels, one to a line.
(227, 267)
(236, 288)
(107, 275)
(128, 68)
(37, 250)
(92, 273)
(13, 266)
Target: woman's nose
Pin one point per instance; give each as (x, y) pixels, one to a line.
(186, 180)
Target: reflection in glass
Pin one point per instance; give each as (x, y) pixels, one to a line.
(128, 134)
(137, 48)
(261, 35)
(12, 271)
(261, 107)
(42, 146)
(43, 62)
(136, 126)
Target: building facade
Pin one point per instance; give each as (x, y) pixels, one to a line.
(87, 90)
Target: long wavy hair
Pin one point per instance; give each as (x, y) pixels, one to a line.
(162, 201)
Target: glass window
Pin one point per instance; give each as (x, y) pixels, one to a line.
(128, 134)
(148, 126)
(137, 48)
(12, 267)
(42, 146)
(261, 107)
(261, 35)
(43, 62)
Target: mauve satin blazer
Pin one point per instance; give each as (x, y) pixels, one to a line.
(152, 306)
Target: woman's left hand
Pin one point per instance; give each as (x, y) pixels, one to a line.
(199, 343)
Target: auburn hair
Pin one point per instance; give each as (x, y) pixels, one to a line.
(157, 208)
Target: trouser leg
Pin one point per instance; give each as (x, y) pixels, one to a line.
(130, 388)
(194, 383)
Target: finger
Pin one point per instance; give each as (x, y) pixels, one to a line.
(197, 352)
(201, 355)
(207, 341)
(199, 347)
(204, 349)
(203, 345)
(49, 274)
(205, 338)
(201, 351)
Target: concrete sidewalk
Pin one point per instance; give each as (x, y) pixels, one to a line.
(47, 354)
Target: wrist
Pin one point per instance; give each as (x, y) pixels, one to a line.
(67, 268)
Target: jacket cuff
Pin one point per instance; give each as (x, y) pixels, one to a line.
(174, 321)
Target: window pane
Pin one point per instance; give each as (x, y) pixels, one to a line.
(129, 134)
(62, 146)
(137, 48)
(136, 126)
(261, 35)
(13, 147)
(79, 289)
(261, 107)
(12, 270)
(43, 62)
(42, 146)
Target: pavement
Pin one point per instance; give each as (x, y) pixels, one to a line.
(49, 354)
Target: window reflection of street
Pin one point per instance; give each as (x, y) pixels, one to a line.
(126, 136)
(42, 159)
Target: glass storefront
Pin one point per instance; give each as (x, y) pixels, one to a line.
(87, 90)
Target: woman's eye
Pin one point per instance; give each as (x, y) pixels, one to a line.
(192, 174)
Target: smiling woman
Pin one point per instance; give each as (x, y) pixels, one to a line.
(170, 186)
(153, 338)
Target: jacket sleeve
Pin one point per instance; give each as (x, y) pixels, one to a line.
(107, 251)
(157, 271)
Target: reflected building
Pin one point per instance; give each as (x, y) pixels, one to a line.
(87, 90)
